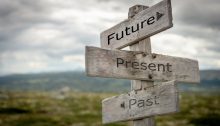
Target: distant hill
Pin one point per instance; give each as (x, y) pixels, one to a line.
(78, 81)
(209, 81)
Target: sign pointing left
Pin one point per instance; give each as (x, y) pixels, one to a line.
(158, 100)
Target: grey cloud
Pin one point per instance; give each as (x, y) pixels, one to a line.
(204, 13)
(209, 35)
(61, 54)
(130, 2)
(198, 19)
(22, 12)
(19, 15)
(215, 48)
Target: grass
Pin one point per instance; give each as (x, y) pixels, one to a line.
(84, 109)
(195, 110)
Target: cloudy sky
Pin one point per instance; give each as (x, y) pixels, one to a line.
(51, 35)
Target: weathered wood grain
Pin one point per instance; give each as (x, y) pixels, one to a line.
(158, 100)
(143, 46)
(151, 21)
(136, 85)
(103, 63)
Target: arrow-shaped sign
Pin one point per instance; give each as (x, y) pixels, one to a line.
(144, 24)
(158, 100)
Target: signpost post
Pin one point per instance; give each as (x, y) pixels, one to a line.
(145, 46)
(145, 100)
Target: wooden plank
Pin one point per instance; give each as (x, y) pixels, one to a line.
(158, 100)
(144, 46)
(142, 25)
(140, 66)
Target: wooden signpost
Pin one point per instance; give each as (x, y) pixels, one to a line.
(144, 24)
(140, 66)
(146, 99)
(158, 100)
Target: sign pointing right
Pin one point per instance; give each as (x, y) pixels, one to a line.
(159, 15)
(144, 24)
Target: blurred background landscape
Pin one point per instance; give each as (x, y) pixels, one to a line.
(77, 81)
(42, 44)
(73, 99)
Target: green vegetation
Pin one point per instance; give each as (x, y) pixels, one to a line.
(84, 109)
(56, 99)
(195, 110)
(51, 109)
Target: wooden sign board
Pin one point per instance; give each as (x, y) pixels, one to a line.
(140, 66)
(144, 24)
(158, 100)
